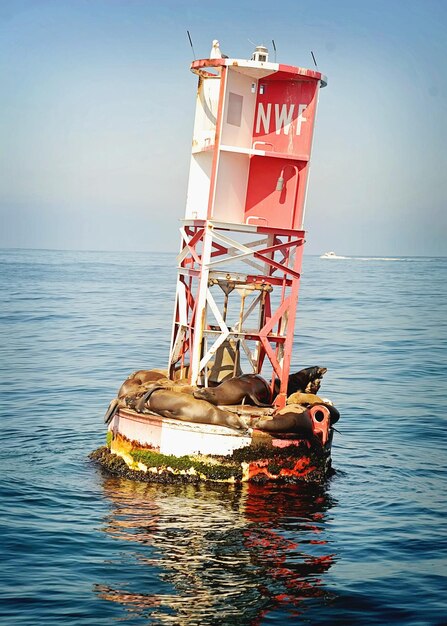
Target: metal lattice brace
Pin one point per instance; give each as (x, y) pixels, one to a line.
(206, 258)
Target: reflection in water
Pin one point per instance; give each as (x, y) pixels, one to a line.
(218, 553)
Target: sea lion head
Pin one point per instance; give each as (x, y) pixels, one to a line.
(205, 393)
(307, 380)
(137, 380)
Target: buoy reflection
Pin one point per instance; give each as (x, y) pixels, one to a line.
(206, 554)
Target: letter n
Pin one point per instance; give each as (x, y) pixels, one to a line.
(264, 118)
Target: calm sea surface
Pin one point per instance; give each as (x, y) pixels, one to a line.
(81, 547)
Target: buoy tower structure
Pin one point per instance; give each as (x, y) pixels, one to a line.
(242, 235)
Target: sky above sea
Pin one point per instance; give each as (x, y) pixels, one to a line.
(97, 111)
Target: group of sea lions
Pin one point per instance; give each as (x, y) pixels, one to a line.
(152, 391)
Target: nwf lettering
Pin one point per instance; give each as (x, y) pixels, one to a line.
(283, 117)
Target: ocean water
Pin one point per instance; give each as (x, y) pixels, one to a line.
(79, 546)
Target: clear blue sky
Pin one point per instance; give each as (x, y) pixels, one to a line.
(96, 118)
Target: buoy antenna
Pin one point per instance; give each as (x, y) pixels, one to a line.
(190, 43)
(274, 47)
(313, 56)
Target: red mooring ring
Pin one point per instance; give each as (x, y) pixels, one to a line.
(320, 421)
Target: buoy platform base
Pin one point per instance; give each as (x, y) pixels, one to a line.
(258, 457)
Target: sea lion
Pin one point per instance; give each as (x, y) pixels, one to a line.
(307, 380)
(186, 408)
(250, 388)
(312, 424)
(141, 395)
(294, 419)
(132, 394)
(139, 378)
(134, 386)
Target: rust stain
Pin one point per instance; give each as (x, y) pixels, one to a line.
(301, 468)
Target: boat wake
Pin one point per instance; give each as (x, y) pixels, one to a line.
(375, 258)
(332, 255)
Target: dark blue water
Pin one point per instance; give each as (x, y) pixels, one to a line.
(81, 547)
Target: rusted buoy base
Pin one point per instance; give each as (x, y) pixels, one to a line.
(257, 463)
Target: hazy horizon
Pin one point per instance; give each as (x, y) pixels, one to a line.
(174, 253)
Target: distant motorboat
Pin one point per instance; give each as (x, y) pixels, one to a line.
(331, 255)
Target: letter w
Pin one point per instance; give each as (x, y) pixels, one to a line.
(283, 118)
(264, 117)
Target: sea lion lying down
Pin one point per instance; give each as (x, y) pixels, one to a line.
(248, 388)
(312, 424)
(136, 385)
(185, 407)
(291, 419)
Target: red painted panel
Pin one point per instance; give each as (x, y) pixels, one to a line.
(275, 208)
(284, 116)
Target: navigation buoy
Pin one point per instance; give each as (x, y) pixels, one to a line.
(239, 269)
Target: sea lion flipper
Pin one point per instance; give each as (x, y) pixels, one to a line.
(139, 405)
(141, 402)
(111, 410)
(256, 402)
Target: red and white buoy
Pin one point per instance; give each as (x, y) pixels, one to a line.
(239, 267)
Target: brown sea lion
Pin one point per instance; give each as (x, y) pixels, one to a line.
(138, 400)
(249, 388)
(139, 378)
(141, 395)
(185, 407)
(294, 419)
(311, 423)
(132, 394)
(134, 386)
(307, 380)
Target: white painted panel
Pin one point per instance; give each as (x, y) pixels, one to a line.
(137, 428)
(231, 187)
(206, 113)
(239, 94)
(199, 185)
(169, 436)
(184, 441)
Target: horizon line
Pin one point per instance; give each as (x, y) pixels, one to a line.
(382, 255)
